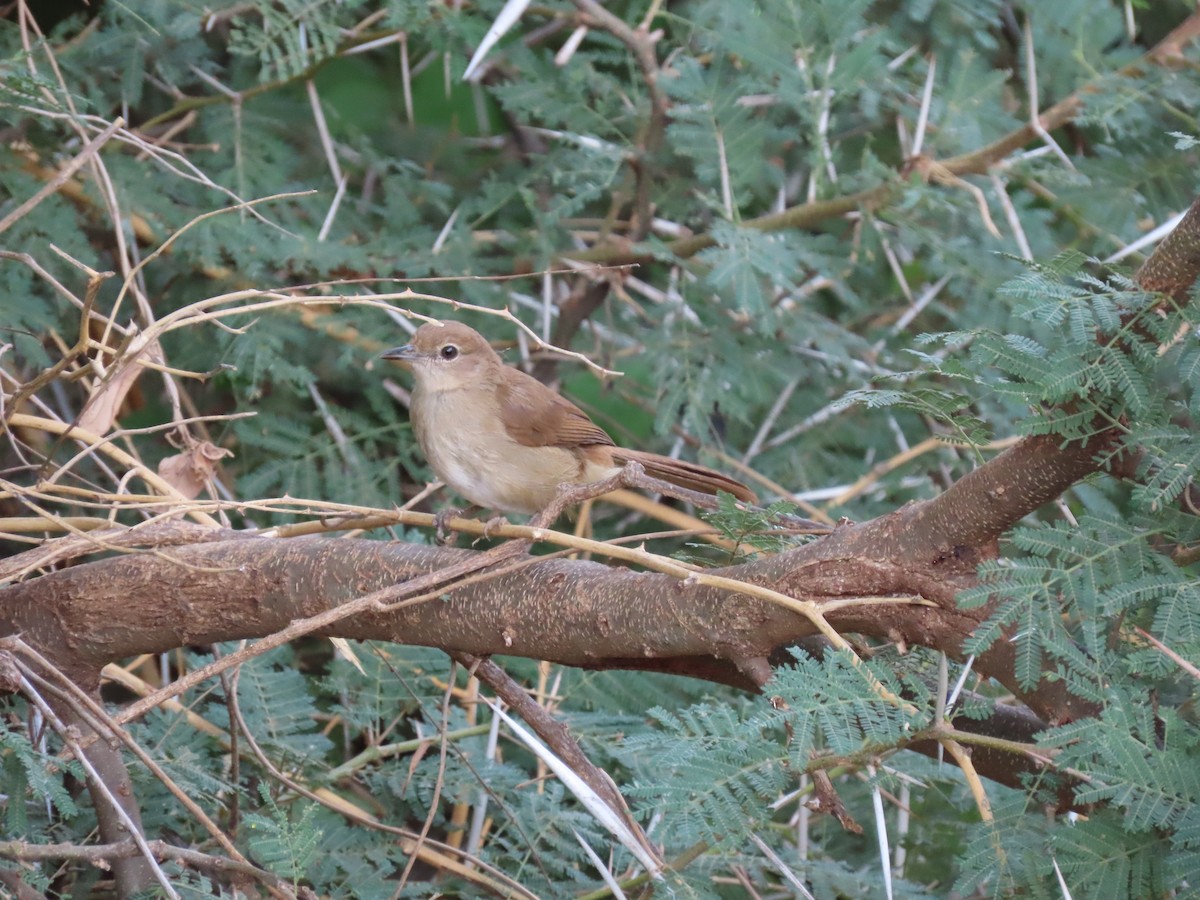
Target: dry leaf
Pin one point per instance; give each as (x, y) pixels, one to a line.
(188, 472)
(102, 406)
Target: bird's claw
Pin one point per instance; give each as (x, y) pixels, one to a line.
(493, 523)
(443, 534)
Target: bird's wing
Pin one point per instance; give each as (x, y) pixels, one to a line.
(535, 416)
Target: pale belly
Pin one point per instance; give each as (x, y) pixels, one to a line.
(487, 467)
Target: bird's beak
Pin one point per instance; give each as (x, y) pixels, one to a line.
(407, 353)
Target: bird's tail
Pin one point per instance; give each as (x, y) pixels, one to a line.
(685, 474)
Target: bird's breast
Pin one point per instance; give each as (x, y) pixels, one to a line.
(467, 446)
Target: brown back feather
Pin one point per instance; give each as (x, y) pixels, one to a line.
(535, 416)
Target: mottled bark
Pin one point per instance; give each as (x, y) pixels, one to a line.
(571, 612)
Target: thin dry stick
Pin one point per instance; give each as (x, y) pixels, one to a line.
(640, 42)
(27, 260)
(923, 113)
(443, 746)
(75, 164)
(125, 678)
(94, 543)
(99, 171)
(322, 795)
(104, 445)
(1010, 216)
(66, 735)
(151, 533)
(462, 809)
(1162, 648)
(902, 459)
(978, 792)
(334, 517)
(239, 206)
(39, 523)
(100, 853)
(1035, 121)
(213, 309)
(558, 737)
(145, 343)
(173, 162)
(445, 857)
(769, 421)
(107, 723)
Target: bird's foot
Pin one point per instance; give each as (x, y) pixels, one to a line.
(443, 534)
(493, 523)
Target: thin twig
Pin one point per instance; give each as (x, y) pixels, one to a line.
(64, 174)
(98, 783)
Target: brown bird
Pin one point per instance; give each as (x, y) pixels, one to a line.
(504, 440)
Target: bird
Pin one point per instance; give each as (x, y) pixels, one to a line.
(505, 441)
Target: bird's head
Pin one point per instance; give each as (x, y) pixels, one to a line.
(444, 356)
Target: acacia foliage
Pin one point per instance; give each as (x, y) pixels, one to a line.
(804, 331)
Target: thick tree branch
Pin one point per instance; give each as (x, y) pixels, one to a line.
(571, 612)
(1174, 266)
(577, 613)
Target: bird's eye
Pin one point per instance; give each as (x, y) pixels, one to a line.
(449, 351)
